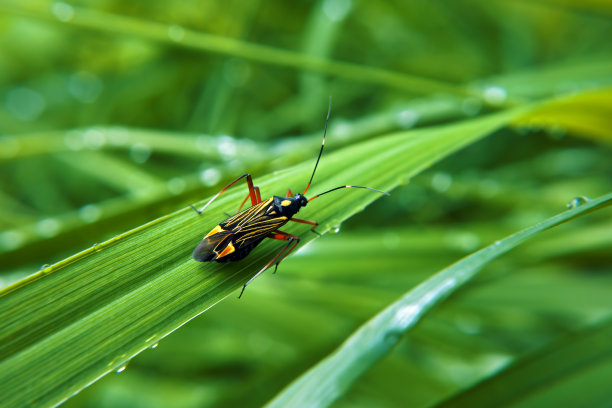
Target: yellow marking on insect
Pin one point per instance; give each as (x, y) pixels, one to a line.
(260, 228)
(285, 203)
(228, 250)
(214, 231)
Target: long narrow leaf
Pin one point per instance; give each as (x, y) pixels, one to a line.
(93, 19)
(328, 380)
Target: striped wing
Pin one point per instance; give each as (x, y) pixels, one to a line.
(235, 237)
(254, 224)
(257, 230)
(243, 218)
(212, 246)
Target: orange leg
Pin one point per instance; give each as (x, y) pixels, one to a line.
(313, 223)
(257, 194)
(254, 194)
(292, 242)
(289, 193)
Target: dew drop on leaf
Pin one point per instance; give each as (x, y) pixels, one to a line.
(577, 201)
(176, 33)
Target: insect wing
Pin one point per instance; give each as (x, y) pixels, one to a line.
(208, 247)
(247, 216)
(235, 237)
(258, 230)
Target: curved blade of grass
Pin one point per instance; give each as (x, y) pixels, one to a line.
(81, 318)
(182, 37)
(331, 378)
(574, 371)
(588, 113)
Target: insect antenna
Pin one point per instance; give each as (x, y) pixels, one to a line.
(322, 145)
(338, 188)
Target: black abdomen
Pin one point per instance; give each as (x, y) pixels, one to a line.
(240, 253)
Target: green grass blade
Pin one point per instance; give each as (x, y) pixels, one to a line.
(328, 380)
(574, 371)
(182, 37)
(81, 318)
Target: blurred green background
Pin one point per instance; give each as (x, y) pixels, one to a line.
(115, 113)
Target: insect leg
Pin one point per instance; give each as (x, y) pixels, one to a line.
(289, 193)
(252, 192)
(313, 223)
(257, 195)
(283, 236)
(292, 241)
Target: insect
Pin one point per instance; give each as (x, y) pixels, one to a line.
(234, 238)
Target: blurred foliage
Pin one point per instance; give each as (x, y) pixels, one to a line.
(116, 113)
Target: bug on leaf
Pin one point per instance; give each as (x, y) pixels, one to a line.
(234, 238)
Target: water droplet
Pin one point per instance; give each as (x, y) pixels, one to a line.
(9, 146)
(577, 201)
(465, 241)
(441, 182)
(210, 177)
(176, 185)
(118, 136)
(10, 240)
(48, 227)
(46, 269)
(90, 213)
(62, 11)
(392, 337)
(336, 10)
(226, 146)
(140, 152)
(335, 229)
(406, 315)
(24, 103)
(495, 95)
(154, 346)
(176, 32)
(449, 283)
(73, 139)
(340, 129)
(93, 139)
(85, 86)
(121, 369)
(407, 118)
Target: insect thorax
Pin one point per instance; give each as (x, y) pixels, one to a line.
(288, 206)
